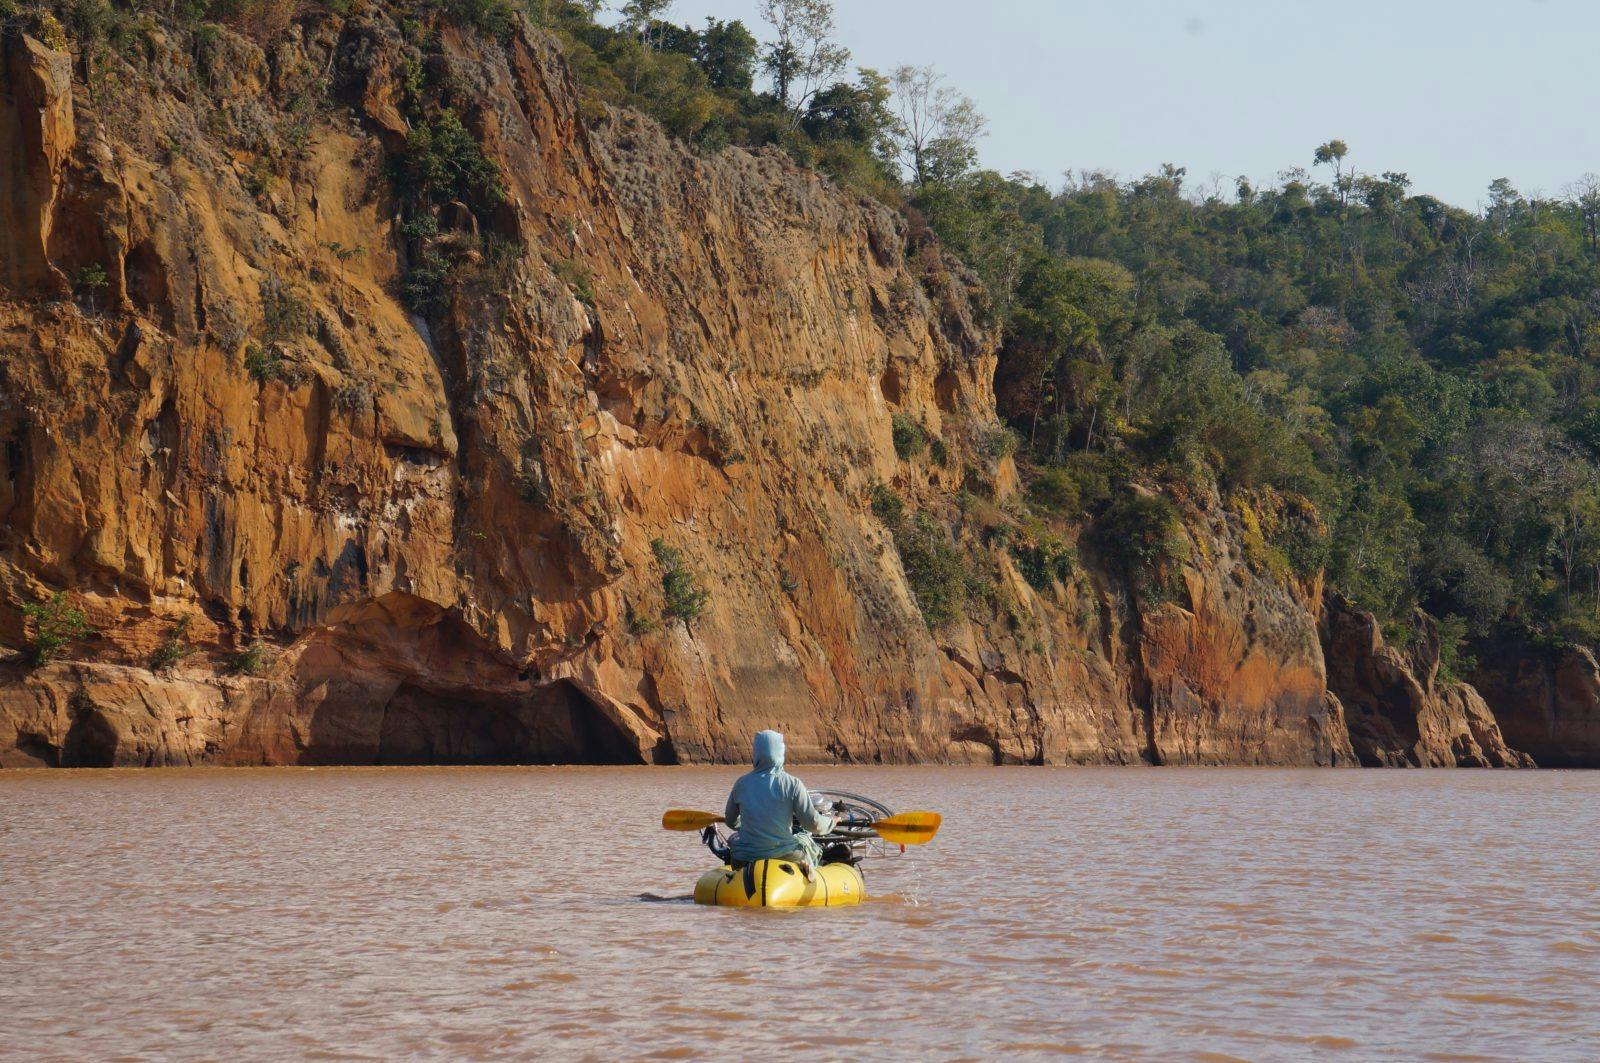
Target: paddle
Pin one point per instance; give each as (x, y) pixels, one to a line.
(907, 828)
(684, 819)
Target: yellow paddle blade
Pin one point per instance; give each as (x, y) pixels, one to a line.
(909, 828)
(687, 819)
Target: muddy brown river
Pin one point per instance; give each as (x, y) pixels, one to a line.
(508, 912)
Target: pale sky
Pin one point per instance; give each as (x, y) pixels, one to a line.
(1454, 92)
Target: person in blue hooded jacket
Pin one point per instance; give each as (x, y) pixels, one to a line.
(765, 806)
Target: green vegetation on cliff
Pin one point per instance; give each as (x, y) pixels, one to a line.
(701, 84)
(683, 597)
(53, 624)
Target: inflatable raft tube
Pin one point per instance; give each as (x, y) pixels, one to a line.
(779, 884)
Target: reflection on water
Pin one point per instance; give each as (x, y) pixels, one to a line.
(484, 913)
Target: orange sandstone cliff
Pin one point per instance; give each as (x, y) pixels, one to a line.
(222, 429)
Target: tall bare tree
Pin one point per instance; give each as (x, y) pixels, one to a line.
(640, 15)
(1332, 154)
(803, 58)
(939, 127)
(1584, 193)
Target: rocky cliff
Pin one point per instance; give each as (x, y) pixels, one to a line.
(1547, 700)
(333, 486)
(1401, 712)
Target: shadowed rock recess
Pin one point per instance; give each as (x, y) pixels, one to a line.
(307, 525)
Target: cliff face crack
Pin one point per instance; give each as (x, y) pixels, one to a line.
(1140, 688)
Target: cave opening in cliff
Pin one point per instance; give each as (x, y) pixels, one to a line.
(554, 724)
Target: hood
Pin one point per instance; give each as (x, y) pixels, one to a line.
(768, 749)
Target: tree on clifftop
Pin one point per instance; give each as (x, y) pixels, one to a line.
(803, 58)
(1332, 154)
(727, 53)
(939, 127)
(640, 16)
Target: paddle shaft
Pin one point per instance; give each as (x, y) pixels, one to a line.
(907, 828)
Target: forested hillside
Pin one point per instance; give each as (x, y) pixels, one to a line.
(1422, 374)
(1425, 375)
